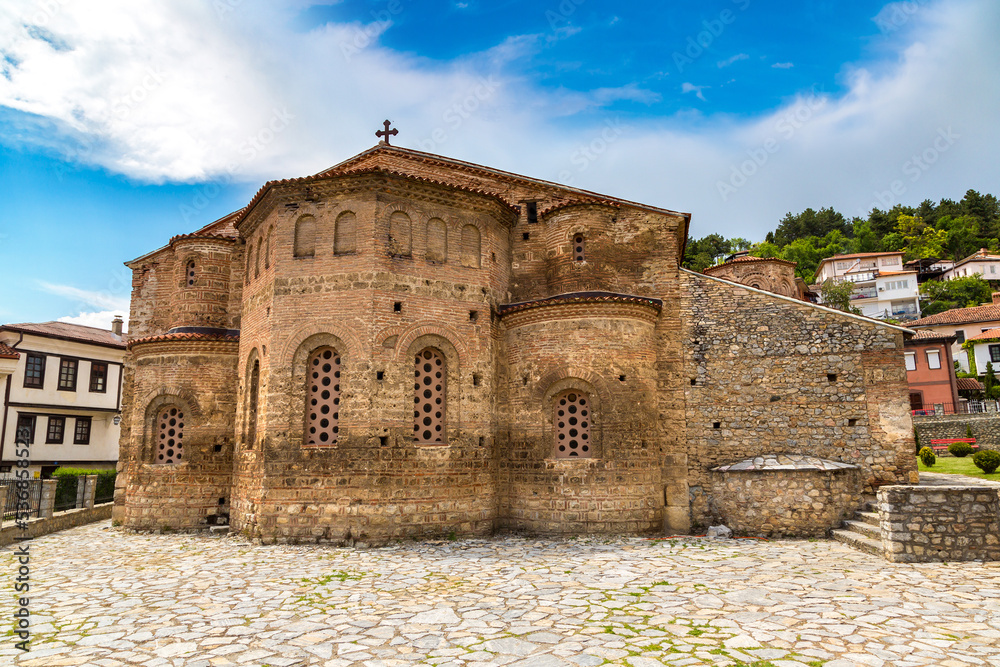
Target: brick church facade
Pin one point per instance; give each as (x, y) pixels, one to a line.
(407, 345)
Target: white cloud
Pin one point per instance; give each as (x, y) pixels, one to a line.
(174, 91)
(729, 61)
(120, 304)
(687, 87)
(100, 320)
(783, 65)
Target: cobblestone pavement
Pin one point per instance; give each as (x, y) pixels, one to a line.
(103, 597)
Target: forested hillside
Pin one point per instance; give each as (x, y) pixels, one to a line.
(946, 230)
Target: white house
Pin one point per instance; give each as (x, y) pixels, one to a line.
(63, 394)
(981, 262)
(985, 349)
(883, 287)
(964, 324)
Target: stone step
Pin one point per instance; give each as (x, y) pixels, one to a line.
(864, 529)
(867, 517)
(219, 530)
(859, 542)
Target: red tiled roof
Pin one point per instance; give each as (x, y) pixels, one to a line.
(989, 334)
(969, 384)
(748, 259)
(67, 331)
(183, 336)
(581, 297)
(929, 334)
(7, 352)
(988, 313)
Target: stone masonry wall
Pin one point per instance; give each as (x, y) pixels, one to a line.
(765, 374)
(940, 523)
(805, 503)
(985, 428)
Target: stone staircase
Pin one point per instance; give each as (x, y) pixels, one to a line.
(862, 532)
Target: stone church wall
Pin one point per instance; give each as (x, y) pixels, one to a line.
(765, 374)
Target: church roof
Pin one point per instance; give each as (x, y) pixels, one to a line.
(747, 259)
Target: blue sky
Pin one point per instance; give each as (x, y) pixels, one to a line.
(125, 122)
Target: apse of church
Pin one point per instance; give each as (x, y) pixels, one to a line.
(406, 345)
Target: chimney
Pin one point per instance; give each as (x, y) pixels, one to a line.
(996, 298)
(116, 324)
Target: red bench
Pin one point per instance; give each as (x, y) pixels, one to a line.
(941, 444)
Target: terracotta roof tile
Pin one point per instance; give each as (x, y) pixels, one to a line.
(7, 352)
(929, 334)
(183, 336)
(67, 331)
(581, 297)
(988, 313)
(748, 259)
(969, 384)
(989, 334)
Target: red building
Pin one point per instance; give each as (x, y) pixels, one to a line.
(931, 372)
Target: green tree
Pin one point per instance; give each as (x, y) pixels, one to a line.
(838, 295)
(810, 223)
(920, 239)
(990, 387)
(958, 293)
(963, 235)
(865, 238)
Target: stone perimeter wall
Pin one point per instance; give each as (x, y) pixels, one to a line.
(940, 523)
(764, 373)
(985, 428)
(786, 503)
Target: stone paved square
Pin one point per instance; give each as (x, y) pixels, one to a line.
(104, 597)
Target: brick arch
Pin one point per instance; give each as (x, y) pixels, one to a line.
(350, 343)
(556, 383)
(246, 428)
(151, 404)
(415, 342)
(551, 383)
(385, 334)
(292, 384)
(447, 335)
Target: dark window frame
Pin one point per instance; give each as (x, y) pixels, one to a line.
(994, 352)
(31, 356)
(32, 420)
(52, 435)
(67, 381)
(81, 431)
(960, 335)
(94, 376)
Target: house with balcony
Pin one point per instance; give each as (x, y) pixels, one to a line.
(62, 387)
(883, 288)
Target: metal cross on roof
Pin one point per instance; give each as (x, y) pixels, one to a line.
(387, 132)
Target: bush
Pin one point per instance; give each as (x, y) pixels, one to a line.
(987, 461)
(927, 456)
(968, 431)
(960, 449)
(68, 479)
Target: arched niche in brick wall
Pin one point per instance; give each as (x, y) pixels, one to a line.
(437, 241)
(251, 398)
(158, 405)
(345, 233)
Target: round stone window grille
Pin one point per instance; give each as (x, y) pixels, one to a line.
(578, 248)
(572, 425)
(322, 397)
(190, 273)
(170, 435)
(429, 396)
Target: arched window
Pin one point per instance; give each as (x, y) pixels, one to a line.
(429, 396)
(578, 247)
(256, 263)
(253, 389)
(345, 235)
(471, 246)
(437, 241)
(267, 249)
(305, 236)
(571, 422)
(169, 435)
(399, 234)
(249, 252)
(190, 273)
(322, 397)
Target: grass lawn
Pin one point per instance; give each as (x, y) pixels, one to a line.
(957, 466)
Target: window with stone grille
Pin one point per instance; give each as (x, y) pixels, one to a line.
(345, 234)
(571, 421)
(169, 435)
(429, 396)
(578, 248)
(190, 273)
(305, 236)
(322, 397)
